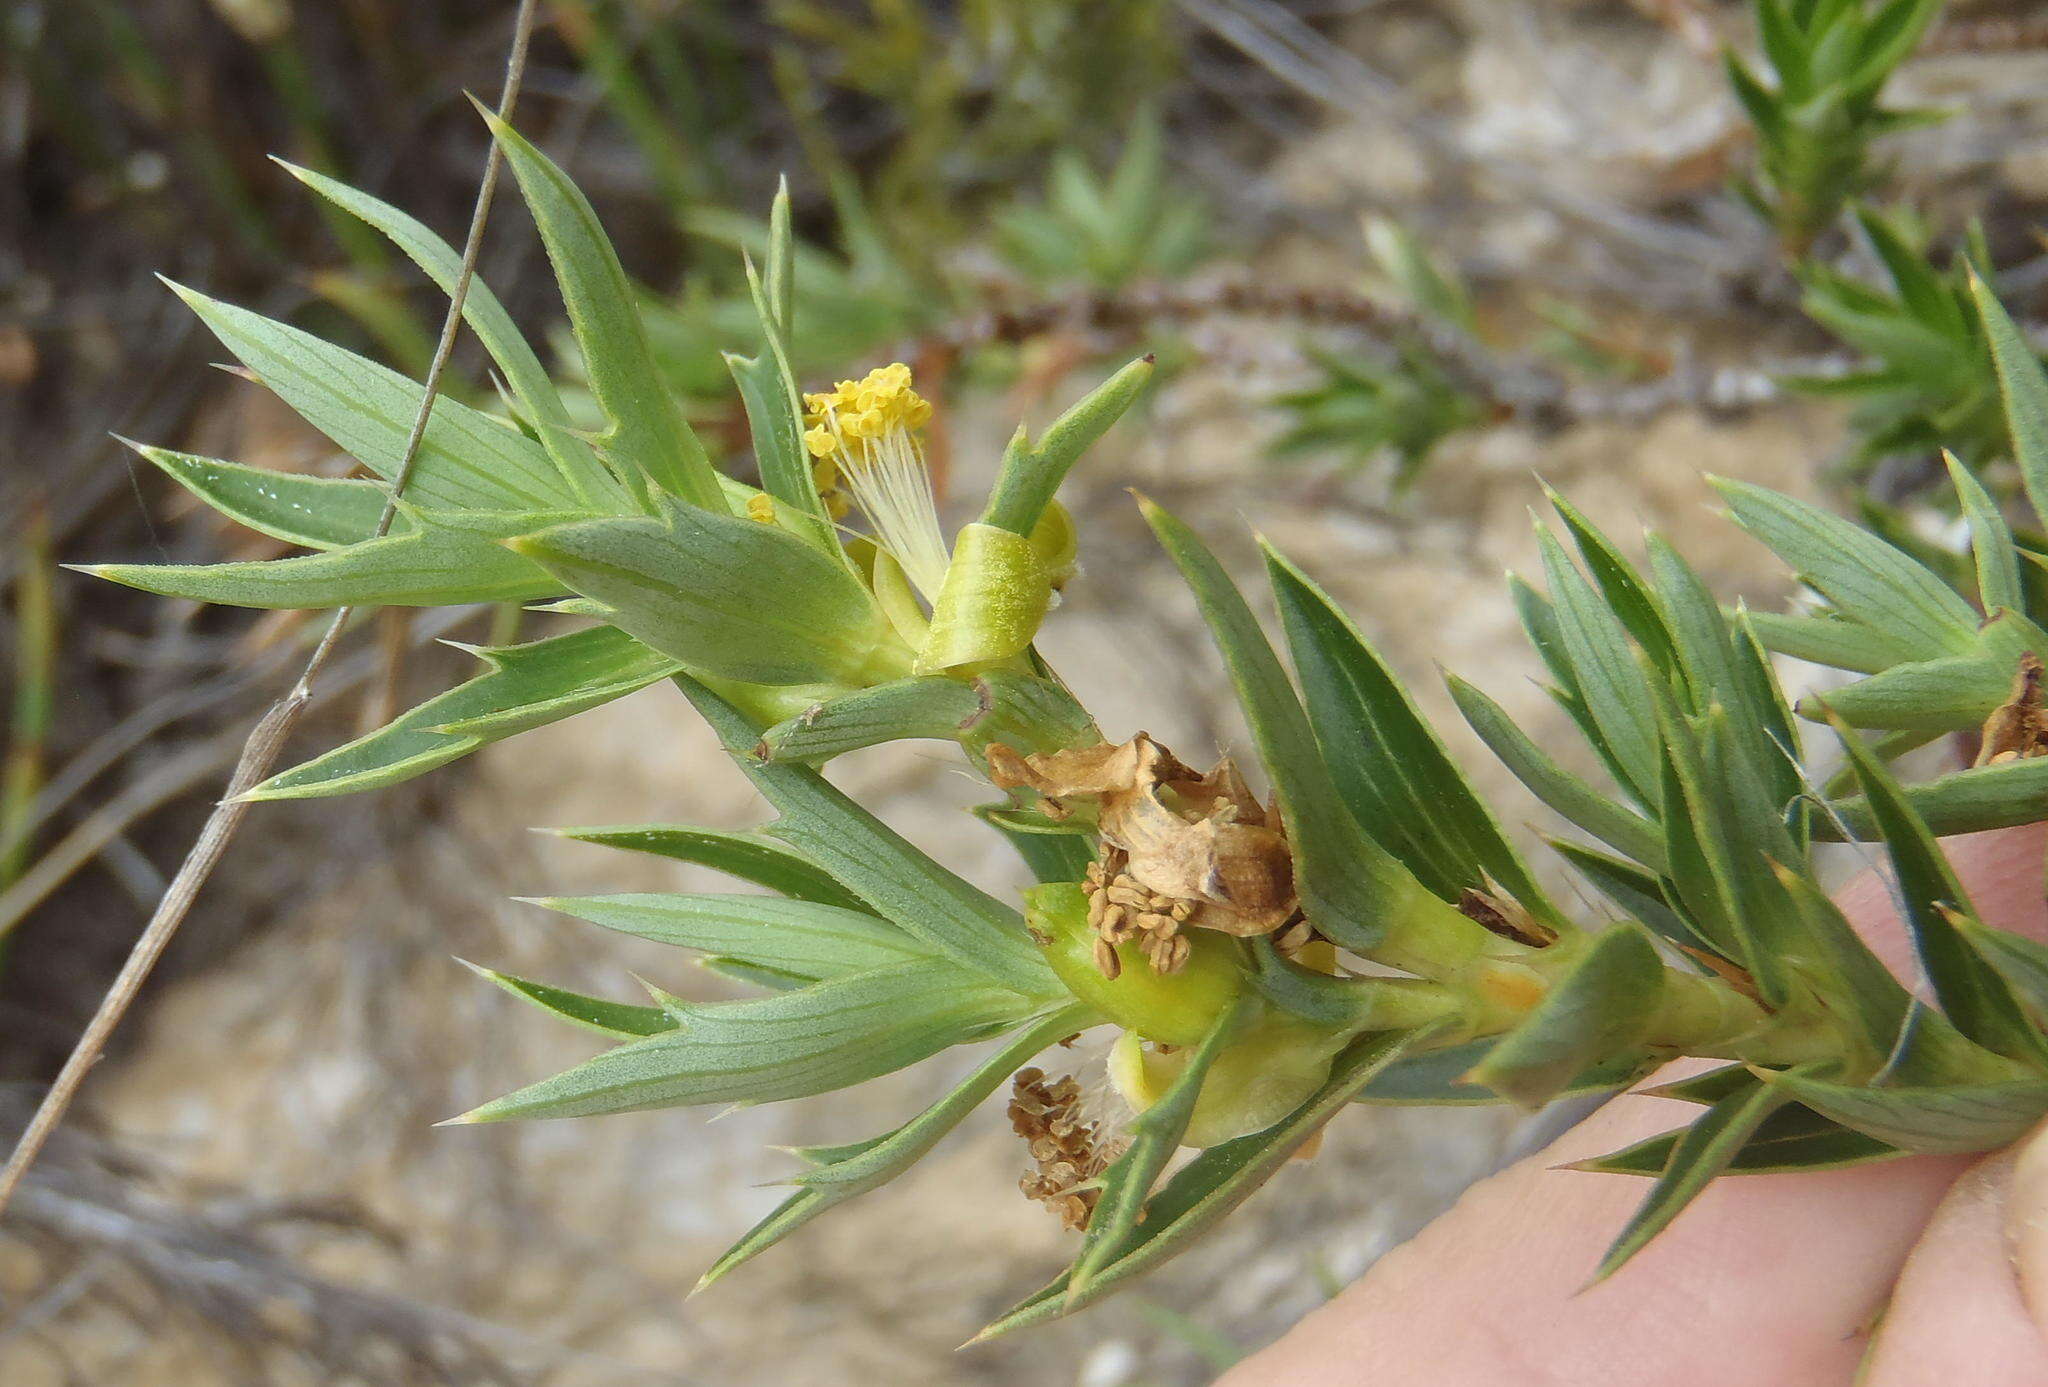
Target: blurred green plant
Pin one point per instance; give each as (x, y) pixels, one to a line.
(1399, 400)
(1361, 408)
(1943, 642)
(876, 292)
(1103, 234)
(1222, 936)
(34, 635)
(846, 303)
(937, 112)
(1930, 384)
(1820, 114)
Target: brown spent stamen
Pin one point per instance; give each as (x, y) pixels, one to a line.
(1065, 1151)
(1122, 911)
(1292, 939)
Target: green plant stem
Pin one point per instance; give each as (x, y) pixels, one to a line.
(1406, 1004)
(1432, 938)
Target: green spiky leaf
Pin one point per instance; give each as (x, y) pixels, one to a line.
(2005, 795)
(1393, 771)
(2024, 387)
(525, 686)
(1792, 1138)
(1202, 1192)
(619, 1020)
(1612, 823)
(1602, 1007)
(1154, 1136)
(1927, 1121)
(466, 460)
(843, 1172)
(1349, 884)
(1032, 472)
(689, 584)
(1865, 578)
(648, 440)
(748, 856)
(423, 568)
(317, 512)
(1705, 1150)
(1972, 993)
(524, 375)
(812, 1039)
(875, 862)
(802, 938)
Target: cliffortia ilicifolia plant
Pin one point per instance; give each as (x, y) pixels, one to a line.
(1359, 930)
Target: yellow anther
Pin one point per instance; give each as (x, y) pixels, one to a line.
(761, 507)
(868, 429)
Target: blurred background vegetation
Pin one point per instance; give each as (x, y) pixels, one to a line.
(1395, 256)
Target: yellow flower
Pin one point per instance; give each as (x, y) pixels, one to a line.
(866, 431)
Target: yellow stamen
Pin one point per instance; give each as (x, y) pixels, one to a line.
(867, 431)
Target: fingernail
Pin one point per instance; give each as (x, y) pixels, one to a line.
(2026, 1223)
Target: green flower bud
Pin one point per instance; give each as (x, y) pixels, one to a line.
(1177, 1009)
(1250, 1086)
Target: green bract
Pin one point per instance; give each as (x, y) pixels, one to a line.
(1367, 932)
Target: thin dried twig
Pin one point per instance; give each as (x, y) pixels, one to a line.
(1988, 34)
(268, 737)
(95, 832)
(1515, 386)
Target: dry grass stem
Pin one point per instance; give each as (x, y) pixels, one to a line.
(267, 739)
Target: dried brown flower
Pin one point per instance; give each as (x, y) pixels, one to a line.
(1065, 1151)
(1200, 846)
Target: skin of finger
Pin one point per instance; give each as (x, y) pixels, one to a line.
(1765, 1279)
(1957, 1316)
(2001, 871)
